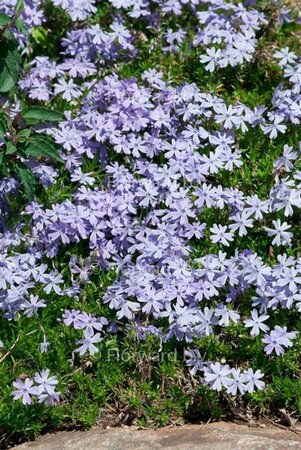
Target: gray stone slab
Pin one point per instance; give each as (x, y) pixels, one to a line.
(215, 436)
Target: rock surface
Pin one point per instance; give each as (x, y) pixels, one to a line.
(215, 436)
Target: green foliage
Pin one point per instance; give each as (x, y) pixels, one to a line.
(27, 179)
(39, 113)
(131, 382)
(18, 139)
(20, 142)
(10, 61)
(42, 146)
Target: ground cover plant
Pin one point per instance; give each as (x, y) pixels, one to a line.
(150, 195)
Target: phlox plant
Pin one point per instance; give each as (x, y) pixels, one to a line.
(150, 196)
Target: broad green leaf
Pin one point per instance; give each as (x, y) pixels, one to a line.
(41, 113)
(10, 148)
(13, 61)
(27, 178)
(6, 80)
(9, 64)
(24, 134)
(10, 38)
(21, 26)
(43, 146)
(4, 20)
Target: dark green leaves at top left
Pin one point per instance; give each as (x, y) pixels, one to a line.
(10, 61)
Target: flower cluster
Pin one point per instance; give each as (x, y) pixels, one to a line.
(224, 32)
(85, 50)
(88, 323)
(277, 339)
(21, 275)
(219, 376)
(77, 9)
(32, 16)
(42, 387)
(143, 122)
(149, 166)
(228, 31)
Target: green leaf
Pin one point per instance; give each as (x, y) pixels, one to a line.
(27, 178)
(41, 113)
(20, 5)
(21, 26)
(24, 134)
(43, 146)
(39, 34)
(4, 20)
(6, 80)
(10, 148)
(13, 61)
(10, 61)
(2, 127)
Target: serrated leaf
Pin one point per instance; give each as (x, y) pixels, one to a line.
(41, 113)
(27, 178)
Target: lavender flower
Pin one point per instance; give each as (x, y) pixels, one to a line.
(256, 323)
(24, 390)
(86, 344)
(277, 339)
(280, 233)
(217, 376)
(221, 235)
(45, 383)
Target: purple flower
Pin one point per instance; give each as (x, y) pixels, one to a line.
(256, 323)
(277, 339)
(280, 233)
(285, 56)
(286, 159)
(210, 58)
(69, 90)
(237, 382)
(72, 318)
(252, 380)
(219, 234)
(53, 281)
(32, 306)
(193, 360)
(46, 384)
(24, 390)
(273, 128)
(86, 344)
(217, 376)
